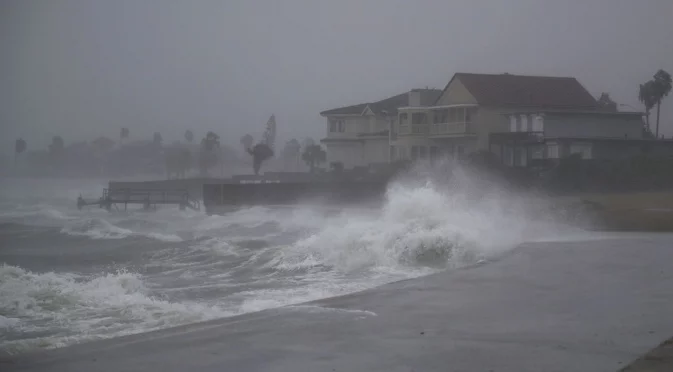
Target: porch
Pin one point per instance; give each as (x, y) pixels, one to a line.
(438, 121)
(432, 149)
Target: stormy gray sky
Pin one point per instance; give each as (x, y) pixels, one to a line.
(83, 68)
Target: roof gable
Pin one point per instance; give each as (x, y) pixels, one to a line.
(388, 105)
(455, 93)
(367, 111)
(346, 110)
(521, 90)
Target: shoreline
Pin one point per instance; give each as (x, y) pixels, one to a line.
(502, 309)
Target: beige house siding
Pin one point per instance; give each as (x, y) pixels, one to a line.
(455, 93)
(490, 120)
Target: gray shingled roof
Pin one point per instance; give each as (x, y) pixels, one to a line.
(391, 104)
(522, 90)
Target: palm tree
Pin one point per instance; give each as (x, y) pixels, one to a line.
(307, 142)
(157, 139)
(178, 161)
(247, 141)
(123, 134)
(19, 147)
(208, 157)
(57, 145)
(260, 153)
(646, 96)
(314, 155)
(661, 88)
(189, 136)
(606, 103)
(291, 152)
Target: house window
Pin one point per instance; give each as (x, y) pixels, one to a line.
(538, 123)
(512, 123)
(332, 126)
(441, 116)
(553, 151)
(404, 119)
(469, 114)
(521, 158)
(423, 152)
(341, 126)
(414, 152)
(460, 151)
(524, 123)
(584, 149)
(508, 156)
(401, 152)
(434, 152)
(418, 118)
(456, 115)
(537, 152)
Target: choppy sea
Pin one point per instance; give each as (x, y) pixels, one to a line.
(68, 276)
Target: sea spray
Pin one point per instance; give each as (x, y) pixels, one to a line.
(185, 267)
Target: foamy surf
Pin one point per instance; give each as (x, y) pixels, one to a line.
(98, 228)
(76, 308)
(196, 267)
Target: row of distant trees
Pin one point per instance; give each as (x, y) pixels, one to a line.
(177, 159)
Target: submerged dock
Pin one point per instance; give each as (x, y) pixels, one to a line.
(148, 198)
(219, 195)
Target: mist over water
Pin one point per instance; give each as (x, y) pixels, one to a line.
(67, 276)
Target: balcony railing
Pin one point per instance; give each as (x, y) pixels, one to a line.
(451, 128)
(519, 137)
(407, 129)
(437, 129)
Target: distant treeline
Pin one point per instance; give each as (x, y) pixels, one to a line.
(104, 157)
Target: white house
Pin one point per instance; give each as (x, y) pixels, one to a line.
(516, 117)
(359, 135)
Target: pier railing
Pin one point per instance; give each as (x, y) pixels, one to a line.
(147, 197)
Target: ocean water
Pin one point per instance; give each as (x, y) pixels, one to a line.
(69, 276)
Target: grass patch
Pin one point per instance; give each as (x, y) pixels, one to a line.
(642, 211)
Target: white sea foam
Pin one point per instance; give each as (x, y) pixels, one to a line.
(86, 308)
(418, 226)
(330, 310)
(99, 228)
(168, 238)
(263, 257)
(96, 228)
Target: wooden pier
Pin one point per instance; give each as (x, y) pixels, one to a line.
(148, 198)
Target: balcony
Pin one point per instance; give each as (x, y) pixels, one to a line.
(438, 129)
(450, 129)
(414, 129)
(528, 137)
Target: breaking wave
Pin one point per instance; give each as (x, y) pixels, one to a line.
(98, 228)
(417, 226)
(83, 308)
(204, 267)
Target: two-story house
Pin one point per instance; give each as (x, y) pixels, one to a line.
(536, 136)
(516, 117)
(359, 135)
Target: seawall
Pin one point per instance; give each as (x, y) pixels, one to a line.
(194, 186)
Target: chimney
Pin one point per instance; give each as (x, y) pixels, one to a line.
(414, 98)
